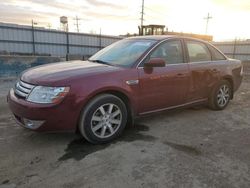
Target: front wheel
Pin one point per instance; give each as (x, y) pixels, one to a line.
(103, 119)
(220, 95)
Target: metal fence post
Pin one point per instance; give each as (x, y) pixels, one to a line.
(33, 38)
(100, 39)
(67, 45)
(234, 50)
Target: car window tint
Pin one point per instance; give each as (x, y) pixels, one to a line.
(170, 51)
(216, 55)
(198, 51)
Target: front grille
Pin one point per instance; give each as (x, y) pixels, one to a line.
(23, 89)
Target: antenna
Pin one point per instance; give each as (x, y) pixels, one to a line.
(207, 18)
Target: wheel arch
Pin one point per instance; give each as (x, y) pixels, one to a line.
(121, 95)
(118, 93)
(230, 80)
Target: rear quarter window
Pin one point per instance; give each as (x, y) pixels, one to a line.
(216, 55)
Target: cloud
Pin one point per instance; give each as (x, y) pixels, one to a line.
(240, 5)
(53, 6)
(42, 11)
(107, 16)
(21, 15)
(20, 11)
(105, 4)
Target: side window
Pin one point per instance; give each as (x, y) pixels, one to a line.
(170, 51)
(198, 51)
(216, 55)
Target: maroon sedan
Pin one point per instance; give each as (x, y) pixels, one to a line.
(130, 78)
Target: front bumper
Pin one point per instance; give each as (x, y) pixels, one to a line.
(44, 117)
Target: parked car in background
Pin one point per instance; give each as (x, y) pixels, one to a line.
(130, 78)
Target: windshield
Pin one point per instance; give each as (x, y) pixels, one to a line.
(122, 53)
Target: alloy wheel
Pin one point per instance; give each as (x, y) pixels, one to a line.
(106, 120)
(223, 95)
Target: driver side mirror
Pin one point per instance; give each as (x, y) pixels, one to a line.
(155, 62)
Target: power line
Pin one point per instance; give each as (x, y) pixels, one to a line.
(207, 18)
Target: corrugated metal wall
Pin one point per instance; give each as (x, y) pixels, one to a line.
(18, 39)
(235, 49)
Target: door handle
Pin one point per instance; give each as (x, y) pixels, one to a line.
(214, 70)
(180, 75)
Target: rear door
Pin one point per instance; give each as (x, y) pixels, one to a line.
(163, 87)
(201, 69)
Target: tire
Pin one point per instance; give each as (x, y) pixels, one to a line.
(103, 119)
(220, 95)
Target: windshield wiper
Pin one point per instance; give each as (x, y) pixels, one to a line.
(100, 61)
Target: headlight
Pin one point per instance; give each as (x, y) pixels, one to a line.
(45, 95)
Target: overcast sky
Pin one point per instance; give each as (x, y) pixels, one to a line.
(115, 17)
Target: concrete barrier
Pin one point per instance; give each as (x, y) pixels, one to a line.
(14, 65)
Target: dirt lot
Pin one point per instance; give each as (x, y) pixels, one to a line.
(181, 148)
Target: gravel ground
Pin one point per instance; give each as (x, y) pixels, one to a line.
(193, 147)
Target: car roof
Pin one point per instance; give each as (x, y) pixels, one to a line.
(164, 37)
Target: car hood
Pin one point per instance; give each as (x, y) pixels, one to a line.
(56, 73)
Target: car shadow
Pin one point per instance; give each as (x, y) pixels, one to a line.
(79, 148)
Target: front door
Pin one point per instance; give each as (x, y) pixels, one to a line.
(164, 87)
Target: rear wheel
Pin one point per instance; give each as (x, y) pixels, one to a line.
(220, 95)
(103, 119)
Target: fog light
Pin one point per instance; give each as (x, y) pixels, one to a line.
(32, 124)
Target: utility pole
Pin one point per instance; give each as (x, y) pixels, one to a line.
(142, 13)
(77, 23)
(207, 18)
(142, 18)
(49, 25)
